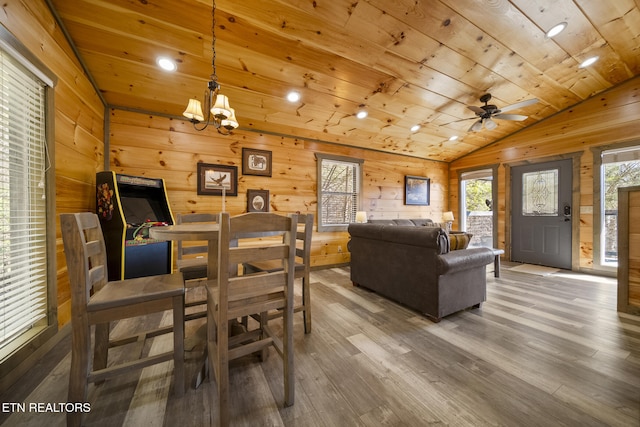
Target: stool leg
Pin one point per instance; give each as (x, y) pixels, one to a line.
(178, 345)
(306, 302)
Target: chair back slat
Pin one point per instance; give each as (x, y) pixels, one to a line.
(255, 285)
(93, 248)
(97, 274)
(263, 223)
(260, 253)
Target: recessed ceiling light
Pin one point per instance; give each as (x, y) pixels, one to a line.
(167, 64)
(589, 61)
(293, 96)
(453, 138)
(362, 114)
(556, 29)
(415, 128)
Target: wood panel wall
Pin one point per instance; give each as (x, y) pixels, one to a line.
(79, 121)
(608, 119)
(78, 151)
(162, 147)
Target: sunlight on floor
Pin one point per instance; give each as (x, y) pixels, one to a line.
(588, 278)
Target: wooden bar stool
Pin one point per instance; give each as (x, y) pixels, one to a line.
(238, 296)
(95, 301)
(302, 266)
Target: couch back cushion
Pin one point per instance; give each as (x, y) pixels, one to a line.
(430, 237)
(406, 222)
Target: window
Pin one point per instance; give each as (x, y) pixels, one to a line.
(24, 220)
(476, 202)
(620, 168)
(339, 187)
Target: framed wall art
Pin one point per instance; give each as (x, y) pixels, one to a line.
(256, 162)
(211, 179)
(257, 200)
(416, 190)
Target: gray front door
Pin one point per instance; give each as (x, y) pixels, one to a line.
(541, 214)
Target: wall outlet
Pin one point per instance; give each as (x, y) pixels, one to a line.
(339, 249)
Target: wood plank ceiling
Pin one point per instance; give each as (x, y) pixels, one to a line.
(406, 62)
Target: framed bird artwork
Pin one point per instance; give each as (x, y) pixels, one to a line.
(213, 178)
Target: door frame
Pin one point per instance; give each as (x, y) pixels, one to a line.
(494, 195)
(575, 202)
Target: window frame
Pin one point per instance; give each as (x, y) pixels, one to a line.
(598, 203)
(30, 345)
(358, 163)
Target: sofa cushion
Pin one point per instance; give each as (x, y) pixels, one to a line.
(422, 222)
(442, 225)
(459, 240)
(433, 238)
(405, 222)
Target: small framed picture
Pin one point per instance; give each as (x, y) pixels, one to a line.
(416, 190)
(257, 200)
(256, 162)
(212, 178)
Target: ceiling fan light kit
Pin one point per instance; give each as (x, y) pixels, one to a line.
(219, 113)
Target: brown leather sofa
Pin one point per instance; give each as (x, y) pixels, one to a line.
(412, 265)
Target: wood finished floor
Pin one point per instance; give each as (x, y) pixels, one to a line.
(542, 351)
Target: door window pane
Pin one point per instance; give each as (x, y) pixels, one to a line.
(540, 193)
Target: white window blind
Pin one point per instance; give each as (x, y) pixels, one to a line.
(23, 163)
(339, 192)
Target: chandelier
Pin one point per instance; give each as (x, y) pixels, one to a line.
(219, 113)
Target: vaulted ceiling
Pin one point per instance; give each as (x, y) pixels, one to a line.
(405, 62)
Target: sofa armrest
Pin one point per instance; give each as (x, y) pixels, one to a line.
(464, 259)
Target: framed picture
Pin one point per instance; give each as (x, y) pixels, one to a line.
(256, 162)
(257, 200)
(416, 190)
(211, 179)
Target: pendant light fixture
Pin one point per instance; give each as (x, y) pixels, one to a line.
(219, 113)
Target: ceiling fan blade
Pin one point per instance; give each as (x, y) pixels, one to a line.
(460, 120)
(515, 117)
(476, 126)
(475, 109)
(519, 105)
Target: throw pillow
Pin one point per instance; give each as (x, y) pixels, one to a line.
(459, 240)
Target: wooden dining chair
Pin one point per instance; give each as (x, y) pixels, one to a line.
(302, 267)
(238, 296)
(96, 301)
(192, 262)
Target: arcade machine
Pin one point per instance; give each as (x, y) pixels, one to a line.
(128, 206)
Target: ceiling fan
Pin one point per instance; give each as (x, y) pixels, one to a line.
(488, 112)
